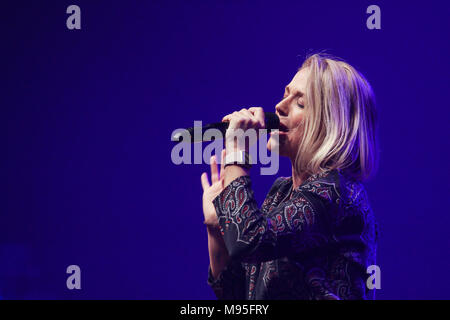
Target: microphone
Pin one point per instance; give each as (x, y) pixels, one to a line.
(272, 122)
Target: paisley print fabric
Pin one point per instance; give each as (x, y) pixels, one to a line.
(316, 244)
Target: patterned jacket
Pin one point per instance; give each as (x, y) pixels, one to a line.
(316, 244)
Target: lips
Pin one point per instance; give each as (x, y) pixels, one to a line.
(283, 128)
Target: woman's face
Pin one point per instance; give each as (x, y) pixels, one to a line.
(291, 111)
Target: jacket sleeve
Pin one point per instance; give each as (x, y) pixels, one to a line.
(251, 236)
(230, 284)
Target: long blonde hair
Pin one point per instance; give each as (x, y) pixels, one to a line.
(341, 122)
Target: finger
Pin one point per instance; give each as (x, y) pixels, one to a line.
(214, 172)
(222, 164)
(250, 117)
(228, 117)
(233, 119)
(205, 182)
(246, 112)
(258, 113)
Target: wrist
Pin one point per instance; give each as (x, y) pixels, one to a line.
(239, 158)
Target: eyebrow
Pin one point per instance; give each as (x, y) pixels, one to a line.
(296, 92)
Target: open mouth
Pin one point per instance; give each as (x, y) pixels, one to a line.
(283, 128)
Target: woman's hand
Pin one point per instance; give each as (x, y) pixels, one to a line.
(252, 118)
(218, 253)
(211, 191)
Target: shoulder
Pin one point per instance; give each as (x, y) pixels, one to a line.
(335, 187)
(326, 186)
(347, 199)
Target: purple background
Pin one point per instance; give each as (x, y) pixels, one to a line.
(89, 113)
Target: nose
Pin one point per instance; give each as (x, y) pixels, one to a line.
(282, 108)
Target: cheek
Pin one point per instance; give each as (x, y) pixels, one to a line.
(299, 118)
(297, 133)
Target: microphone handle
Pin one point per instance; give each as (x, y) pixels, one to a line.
(272, 122)
(222, 126)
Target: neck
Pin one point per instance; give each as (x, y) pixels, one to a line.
(298, 178)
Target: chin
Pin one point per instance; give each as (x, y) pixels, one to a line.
(271, 146)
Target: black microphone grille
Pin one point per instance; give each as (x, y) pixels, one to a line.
(272, 120)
